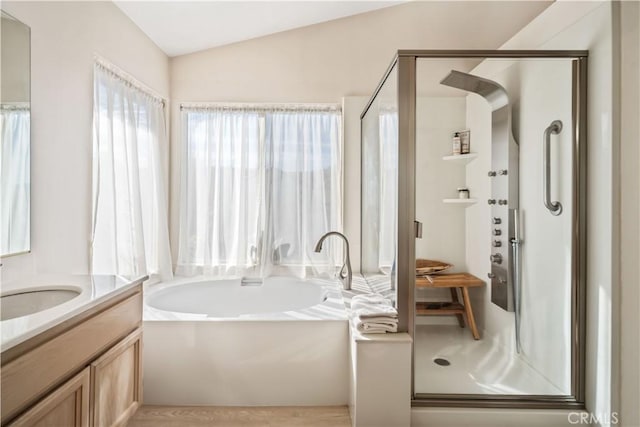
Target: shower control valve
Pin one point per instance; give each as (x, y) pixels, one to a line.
(496, 258)
(497, 221)
(492, 173)
(497, 232)
(502, 172)
(502, 280)
(491, 201)
(491, 275)
(497, 243)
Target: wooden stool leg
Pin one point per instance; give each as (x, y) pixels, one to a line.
(470, 319)
(454, 298)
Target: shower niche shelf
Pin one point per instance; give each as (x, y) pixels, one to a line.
(461, 202)
(462, 159)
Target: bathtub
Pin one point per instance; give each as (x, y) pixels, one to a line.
(283, 342)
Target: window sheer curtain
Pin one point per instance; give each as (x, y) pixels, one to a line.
(130, 231)
(220, 196)
(15, 178)
(260, 185)
(303, 191)
(388, 125)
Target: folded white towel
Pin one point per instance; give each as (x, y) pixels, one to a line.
(376, 328)
(378, 319)
(375, 318)
(372, 305)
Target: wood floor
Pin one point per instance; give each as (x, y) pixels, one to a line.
(198, 416)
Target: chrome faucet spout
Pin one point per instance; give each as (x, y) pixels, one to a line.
(346, 275)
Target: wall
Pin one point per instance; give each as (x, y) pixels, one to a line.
(629, 230)
(536, 101)
(443, 230)
(443, 227)
(328, 61)
(64, 38)
(352, 107)
(15, 61)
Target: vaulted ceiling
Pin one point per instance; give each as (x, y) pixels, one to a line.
(180, 27)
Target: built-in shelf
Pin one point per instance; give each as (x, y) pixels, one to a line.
(461, 158)
(464, 202)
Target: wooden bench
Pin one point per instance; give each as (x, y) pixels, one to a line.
(455, 281)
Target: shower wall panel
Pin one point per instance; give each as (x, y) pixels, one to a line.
(540, 91)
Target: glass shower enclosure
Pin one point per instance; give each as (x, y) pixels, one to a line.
(473, 170)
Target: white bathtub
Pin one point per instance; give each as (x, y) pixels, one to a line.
(216, 342)
(230, 298)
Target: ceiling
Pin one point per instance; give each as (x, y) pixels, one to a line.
(181, 27)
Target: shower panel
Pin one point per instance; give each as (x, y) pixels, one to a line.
(504, 273)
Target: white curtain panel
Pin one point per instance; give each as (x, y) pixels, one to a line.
(130, 232)
(303, 191)
(220, 195)
(14, 179)
(260, 185)
(388, 188)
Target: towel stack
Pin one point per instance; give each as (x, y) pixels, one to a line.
(374, 314)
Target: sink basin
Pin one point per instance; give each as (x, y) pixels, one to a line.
(29, 302)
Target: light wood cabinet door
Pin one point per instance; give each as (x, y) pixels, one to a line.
(27, 378)
(116, 379)
(68, 406)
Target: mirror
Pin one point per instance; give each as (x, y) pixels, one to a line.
(15, 126)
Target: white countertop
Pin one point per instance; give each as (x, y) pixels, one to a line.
(93, 291)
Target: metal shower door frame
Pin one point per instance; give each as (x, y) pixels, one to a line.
(405, 61)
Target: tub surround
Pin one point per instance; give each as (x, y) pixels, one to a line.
(296, 357)
(22, 333)
(379, 367)
(308, 356)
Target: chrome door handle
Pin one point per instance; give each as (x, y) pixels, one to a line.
(554, 207)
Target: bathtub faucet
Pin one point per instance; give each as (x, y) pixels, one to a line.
(345, 270)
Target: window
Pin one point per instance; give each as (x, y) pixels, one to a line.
(130, 233)
(260, 186)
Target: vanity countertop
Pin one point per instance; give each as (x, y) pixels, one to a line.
(94, 290)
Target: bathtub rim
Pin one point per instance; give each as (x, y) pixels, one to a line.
(332, 308)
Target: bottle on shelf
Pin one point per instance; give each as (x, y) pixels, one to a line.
(457, 147)
(465, 142)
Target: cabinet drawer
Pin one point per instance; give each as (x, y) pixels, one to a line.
(116, 379)
(29, 377)
(67, 406)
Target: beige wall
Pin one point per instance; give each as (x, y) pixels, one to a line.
(64, 38)
(15, 61)
(328, 61)
(629, 213)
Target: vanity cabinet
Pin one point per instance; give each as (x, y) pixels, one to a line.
(116, 379)
(87, 373)
(67, 406)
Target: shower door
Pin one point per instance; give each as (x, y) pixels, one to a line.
(513, 242)
(504, 323)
